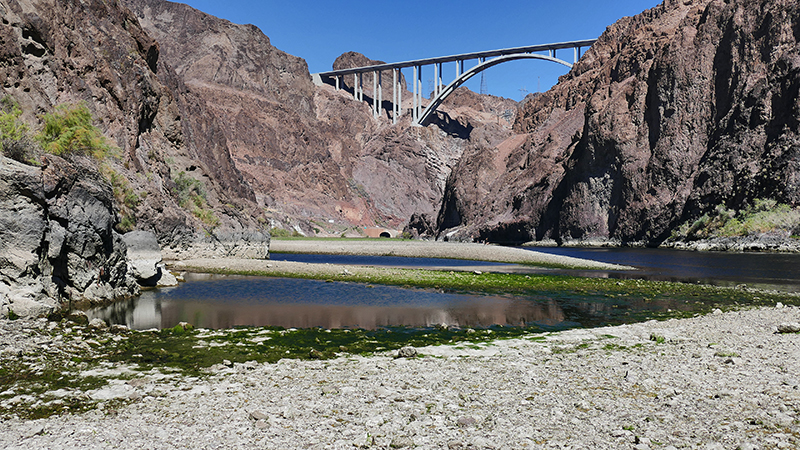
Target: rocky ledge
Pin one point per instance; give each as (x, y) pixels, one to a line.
(57, 238)
(722, 381)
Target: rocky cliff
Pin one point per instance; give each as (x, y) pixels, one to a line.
(96, 53)
(316, 160)
(57, 238)
(687, 106)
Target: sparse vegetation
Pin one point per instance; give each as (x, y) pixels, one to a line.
(15, 140)
(763, 216)
(126, 197)
(192, 196)
(68, 130)
(283, 233)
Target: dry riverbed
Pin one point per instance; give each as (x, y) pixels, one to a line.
(723, 380)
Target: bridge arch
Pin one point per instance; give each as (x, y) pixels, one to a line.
(437, 100)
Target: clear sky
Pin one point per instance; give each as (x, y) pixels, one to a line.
(394, 31)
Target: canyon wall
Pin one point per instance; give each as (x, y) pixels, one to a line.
(684, 107)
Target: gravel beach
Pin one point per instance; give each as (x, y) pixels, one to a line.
(727, 380)
(721, 381)
(435, 249)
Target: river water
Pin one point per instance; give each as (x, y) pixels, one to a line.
(213, 301)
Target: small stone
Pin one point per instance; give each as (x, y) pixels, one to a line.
(401, 442)
(789, 327)
(78, 317)
(717, 312)
(467, 421)
(258, 415)
(98, 324)
(747, 446)
(477, 272)
(407, 352)
(117, 328)
(262, 424)
(779, 305)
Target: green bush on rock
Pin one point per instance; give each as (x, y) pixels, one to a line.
(68, 130)
(15, 141)
(763, 216)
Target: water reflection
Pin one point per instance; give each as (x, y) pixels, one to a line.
(774, 271)
(211, 301)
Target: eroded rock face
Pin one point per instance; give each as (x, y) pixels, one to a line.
(310, 154)
(96, 52)
(57, 238)
(686, 106)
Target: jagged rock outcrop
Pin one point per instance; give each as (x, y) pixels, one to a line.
(57, 238)
(96, 52)
(311, 155)
(686, 106)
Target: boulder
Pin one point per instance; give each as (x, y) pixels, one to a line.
(166, 278)
(144, 255)
(57, 238)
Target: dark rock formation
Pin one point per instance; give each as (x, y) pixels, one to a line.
(686, 106)
(96, 52)
(311, 155)
(57, 238)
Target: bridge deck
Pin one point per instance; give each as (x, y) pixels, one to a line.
(461, 57)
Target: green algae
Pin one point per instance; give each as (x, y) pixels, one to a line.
(192, 351)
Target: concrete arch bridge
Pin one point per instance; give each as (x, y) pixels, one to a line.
(421, 115)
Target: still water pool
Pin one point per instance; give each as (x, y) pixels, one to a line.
(213, 301)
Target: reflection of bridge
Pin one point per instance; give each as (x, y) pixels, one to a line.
(440, 91)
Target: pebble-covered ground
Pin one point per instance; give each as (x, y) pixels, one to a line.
(721, 381)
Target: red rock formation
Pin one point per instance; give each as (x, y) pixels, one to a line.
(95, 52)
(311, 154)
(686, 106)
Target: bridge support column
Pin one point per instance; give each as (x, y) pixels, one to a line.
(439, 84)
(399, 93)
(414, 110)
(436, 68)
(337, 82)
(577, 51)
(380, 94)
(419, 92)
(374, 93)
(394, 96)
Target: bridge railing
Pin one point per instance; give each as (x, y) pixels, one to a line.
(335, 77)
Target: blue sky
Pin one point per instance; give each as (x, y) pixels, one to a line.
(319, 31)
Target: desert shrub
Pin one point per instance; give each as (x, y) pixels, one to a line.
(763, 216)
(192, 196)
(68, 130)
(188, 190)
(15, 140)
(126, 197)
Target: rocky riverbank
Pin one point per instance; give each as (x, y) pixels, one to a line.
(724, 380)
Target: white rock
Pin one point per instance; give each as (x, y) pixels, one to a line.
(789, 327)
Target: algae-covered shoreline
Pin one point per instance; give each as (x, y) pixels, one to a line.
(671, 382)
(721, 380)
